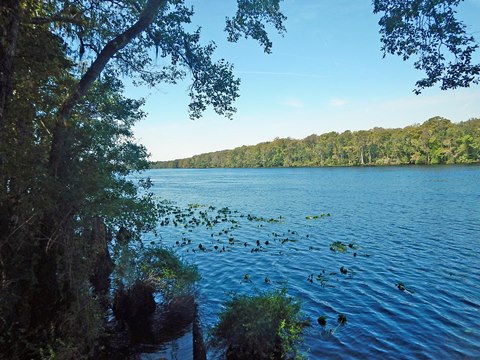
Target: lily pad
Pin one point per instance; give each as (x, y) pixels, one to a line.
(338, 246)
(342, 319)
(322, 320)
(401, 286)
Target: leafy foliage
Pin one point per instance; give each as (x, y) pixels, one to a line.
(250, 20)
(67, 154)
(161, 268)
(266, 326)
(429, 31)
(437, 141)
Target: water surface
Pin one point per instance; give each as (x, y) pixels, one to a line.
(416, 225)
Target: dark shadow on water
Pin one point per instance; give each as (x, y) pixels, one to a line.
(168, 322)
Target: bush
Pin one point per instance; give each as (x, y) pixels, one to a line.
(141, 273)
(265, 326)
(160, 268)
(168, 273)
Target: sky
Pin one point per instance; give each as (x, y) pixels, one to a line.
(327, 73)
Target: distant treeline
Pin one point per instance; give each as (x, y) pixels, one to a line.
(436, 141)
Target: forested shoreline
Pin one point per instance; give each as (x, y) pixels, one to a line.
(436, 141)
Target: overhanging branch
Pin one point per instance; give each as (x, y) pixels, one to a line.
(58, 161)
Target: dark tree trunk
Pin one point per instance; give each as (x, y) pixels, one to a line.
(10, 19)
(54, 293)
(103, 265)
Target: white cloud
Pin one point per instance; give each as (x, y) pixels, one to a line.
(337, 102)
(292, 102)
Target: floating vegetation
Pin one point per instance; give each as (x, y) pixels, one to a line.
(246, 279)
(262, 219)
(342, 319)
(353, 246)
(322, 279)
(322, 320)
(338, 246)
(315, 217)
(401, 286)
(221, 224)
(195, 206)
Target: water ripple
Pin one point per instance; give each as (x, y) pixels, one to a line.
(415, 226)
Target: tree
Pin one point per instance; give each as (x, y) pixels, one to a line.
(429, 31)
(66, 147)
(436, 141)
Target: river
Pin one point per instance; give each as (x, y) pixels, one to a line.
(412, 284)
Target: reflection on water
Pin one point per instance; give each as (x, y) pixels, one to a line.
(406, 278)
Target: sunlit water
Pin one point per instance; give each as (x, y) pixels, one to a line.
(416, 225)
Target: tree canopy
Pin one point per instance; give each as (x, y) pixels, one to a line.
(430, 32)
(67, 150)
(436, 141)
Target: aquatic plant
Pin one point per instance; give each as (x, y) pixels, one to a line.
(342, 319)
(264, 326)
(401, 286)
(322, 279)
(160, 268)
(322, 320)
(315, 217)
(338, 246)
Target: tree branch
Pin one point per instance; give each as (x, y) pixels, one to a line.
(57, 159)
(59, 17)
(147, 16)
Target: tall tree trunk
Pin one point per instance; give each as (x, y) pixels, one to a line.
(9, 28)
(56, 234)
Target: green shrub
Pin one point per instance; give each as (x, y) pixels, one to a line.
(159, 268)
(167, 272)
(265, 326)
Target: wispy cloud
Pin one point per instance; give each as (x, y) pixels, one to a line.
(280, 73)
(337, 102)
(292, 102)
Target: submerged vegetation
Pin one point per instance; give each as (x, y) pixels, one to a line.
(436, 141)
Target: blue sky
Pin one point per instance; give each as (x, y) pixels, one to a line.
(326, 74)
